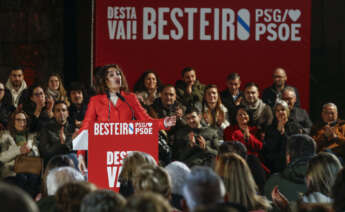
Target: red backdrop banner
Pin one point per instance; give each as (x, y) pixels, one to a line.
(110, 143)
(214, 37)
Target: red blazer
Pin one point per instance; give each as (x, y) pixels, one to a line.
(253, 144)
(98, 110)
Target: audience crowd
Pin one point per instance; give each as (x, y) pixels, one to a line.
(230, 150)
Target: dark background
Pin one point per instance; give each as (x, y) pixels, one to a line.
(48, 36)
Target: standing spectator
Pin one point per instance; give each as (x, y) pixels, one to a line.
(261, 113)
(239, 182)
(299, 150)
(147, 88)
(78, 106)
(56, 137)
(274, 92)
(6, 106)
(189, 90)
(38, 107)
(330, 132)
(277, 135)
(214, 112)
(16, 85)
(297, 114)
(56, 89)
(232, 96)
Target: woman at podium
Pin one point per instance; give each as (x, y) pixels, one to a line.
(115, 103)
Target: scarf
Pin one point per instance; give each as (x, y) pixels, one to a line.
(55, 94)
(257, 108)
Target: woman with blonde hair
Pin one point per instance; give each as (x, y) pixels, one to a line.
(214, 113)
(239, 182)
(55, 88)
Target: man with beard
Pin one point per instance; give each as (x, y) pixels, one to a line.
(260, 113)
(16, 85)
(189, 90)
(195, 144)
(274, 92)
(297, 114)
(56, 137)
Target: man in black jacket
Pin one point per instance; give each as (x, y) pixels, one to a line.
(78, 106)
(56, 137)
(299, 150)
(274, 92)
(296, 113)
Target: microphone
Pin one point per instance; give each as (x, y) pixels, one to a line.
(124, 100)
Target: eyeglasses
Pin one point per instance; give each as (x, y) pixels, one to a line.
(20, 120)
(39, 94)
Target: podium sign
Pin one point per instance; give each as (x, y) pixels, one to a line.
(110, 143)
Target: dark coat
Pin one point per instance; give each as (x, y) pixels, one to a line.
(229, 103)
(189, 99)
(270, 94)
(49, 140)
(35, 123)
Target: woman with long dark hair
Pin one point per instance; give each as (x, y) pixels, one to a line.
(146, 88)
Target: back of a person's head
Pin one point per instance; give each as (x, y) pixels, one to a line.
(132, 161)
(147, 202)
(59, 176)
(152, 178)
(322, 172)
(178, 172)
(233, 147)
(239, 182)
(14, 199)
(299, 146)
(222, 207)
(203, 186)
(103, 201)
(338, 192)
(70, 195)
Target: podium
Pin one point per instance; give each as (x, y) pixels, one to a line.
(110, 142)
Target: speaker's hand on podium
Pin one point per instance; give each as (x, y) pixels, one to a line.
(81, 164)
(170, 121)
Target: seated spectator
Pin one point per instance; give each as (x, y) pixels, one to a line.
(14, 199)
(232, 96)
(320, 177)
(330, 132)
(130, 164)
(260, 112)
(70, 195)
(178, 173)
(56, 178)
(189, 90)
(56, 89)
(195, 144)
(56, 137)
(16, 141)
(103, 201)
(6, 106)
(338, 190)
(297, 114)
(147, 88)
(299, 150)
(78, 106)
(253, 162)
(271, 94)
(38, 107)
(239, 182)
(147, 202)
(276, 136)
(203, 187)
(17, 85)
(214, 113)
(243, 132)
